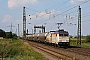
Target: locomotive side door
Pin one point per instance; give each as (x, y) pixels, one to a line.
(54, 38)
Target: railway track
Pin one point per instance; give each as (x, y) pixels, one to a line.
(82, 51)
(58, 55)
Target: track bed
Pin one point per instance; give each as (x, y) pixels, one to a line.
(75, 53)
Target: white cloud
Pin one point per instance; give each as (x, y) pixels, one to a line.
(17, 3)
(6, 18)
(77, 1)
(18, 21)
(42, 15)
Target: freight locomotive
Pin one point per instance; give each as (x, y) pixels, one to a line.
(57, 38)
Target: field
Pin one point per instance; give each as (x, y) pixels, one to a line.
(73, 42)
(17, 50)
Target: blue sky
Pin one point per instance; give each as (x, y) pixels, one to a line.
(45, 11)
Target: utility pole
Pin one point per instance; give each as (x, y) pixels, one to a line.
(24, 22)
(79, 26)
(31, 28)
(18, 30)
(11, 27)
(27, 31)
(30, 23)
(32, 31)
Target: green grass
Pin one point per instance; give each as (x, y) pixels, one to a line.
(83, 43)
(86, 45)
(19, 50)
(76, 38)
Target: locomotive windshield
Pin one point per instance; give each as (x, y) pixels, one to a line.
(63, 34)
(60, 34)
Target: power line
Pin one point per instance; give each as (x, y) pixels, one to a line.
(48, 8)
(57, 7)
(85, 21)
(63, 4)
(64, 11)
(68, 10)
(76, 10)
(86, 15)
(72, 8)
(31, 9)
(59, 4)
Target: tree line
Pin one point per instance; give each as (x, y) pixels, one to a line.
(12, 35)
(7, 34)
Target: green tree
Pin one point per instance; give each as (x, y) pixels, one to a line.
(14, 36)
(88, 38)
(8, 34)
(2, 33)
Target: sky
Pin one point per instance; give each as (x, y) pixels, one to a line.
(45, 12)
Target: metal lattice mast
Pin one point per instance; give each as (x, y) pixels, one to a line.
(24, 22)
(79, 26)
(11, 27)
(18, 30)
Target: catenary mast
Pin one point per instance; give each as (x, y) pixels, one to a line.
(24, 22)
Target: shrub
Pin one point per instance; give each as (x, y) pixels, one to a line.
(14, 36)
(2, 33)
(88, 38)
(8, 34)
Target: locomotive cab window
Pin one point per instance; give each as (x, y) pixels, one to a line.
(65, 34)
(60, 34)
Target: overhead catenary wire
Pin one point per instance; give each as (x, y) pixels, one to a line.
(67, 10)
(85, 21)
(83, 16)
(48, 8)
(72, 7)
(31, 9)
(77, 11)
(59, 5)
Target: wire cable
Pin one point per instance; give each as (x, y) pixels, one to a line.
(68, 10)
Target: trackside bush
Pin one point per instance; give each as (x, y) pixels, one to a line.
(88, 38)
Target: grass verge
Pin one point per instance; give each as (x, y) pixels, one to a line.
(83, 43)
(17, 50)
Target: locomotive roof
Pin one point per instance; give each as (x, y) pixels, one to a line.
(60, 31)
